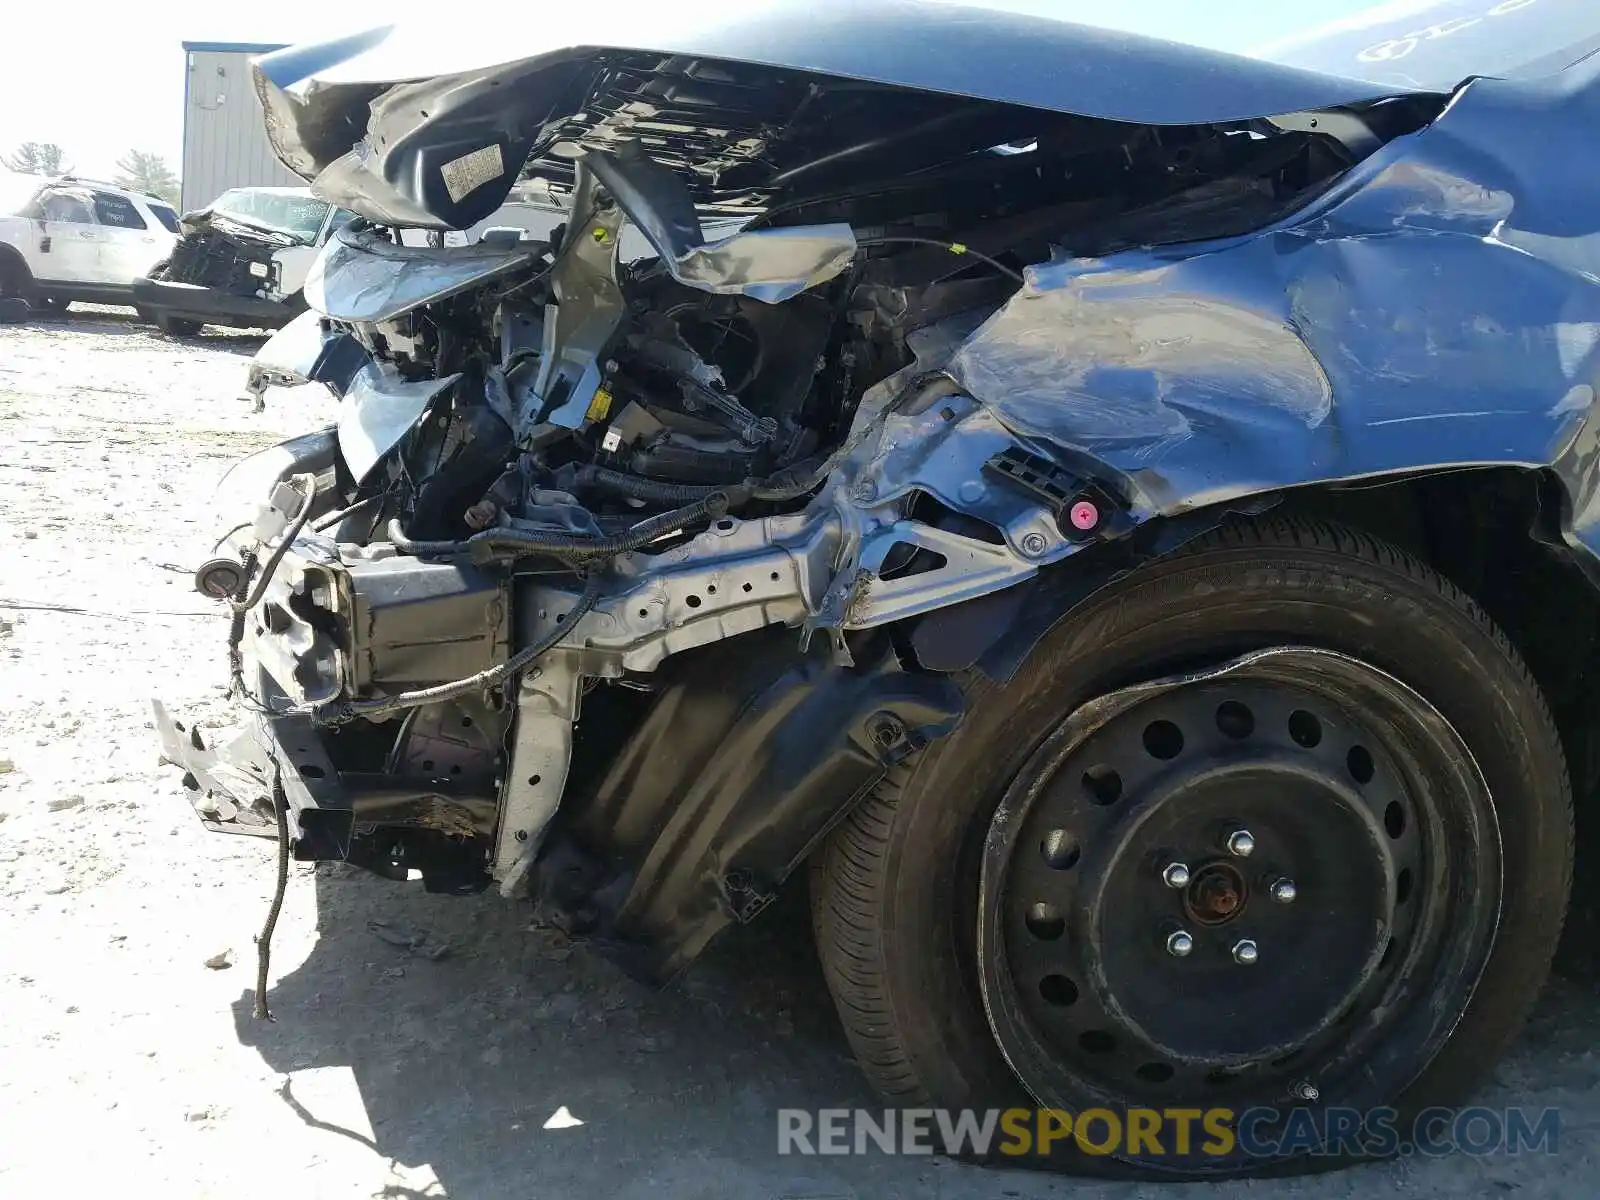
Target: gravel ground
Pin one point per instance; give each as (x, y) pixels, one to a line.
(389, 1073)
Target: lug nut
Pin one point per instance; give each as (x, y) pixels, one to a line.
(1284, 891)
(1179, 944)
(1304, 1091)
(1241, 843)
(1245, 952)
(1175, 875)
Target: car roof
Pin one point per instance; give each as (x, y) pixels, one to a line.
(101, 185)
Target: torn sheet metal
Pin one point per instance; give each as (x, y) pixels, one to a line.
(362, 277)
(291, 354)
(770, 265)
(1439, 307)
(378, 410)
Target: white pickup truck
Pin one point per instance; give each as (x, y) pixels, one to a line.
(243, 259)
(72, 239)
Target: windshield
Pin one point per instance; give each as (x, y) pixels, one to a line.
(1429, 44)
(294, 213)
(1435, 44)
(16, 191)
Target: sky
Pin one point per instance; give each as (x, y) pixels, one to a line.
(101, 93)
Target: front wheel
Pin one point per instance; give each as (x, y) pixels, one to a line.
(1281, 822)
(16, 281)
(177, 326)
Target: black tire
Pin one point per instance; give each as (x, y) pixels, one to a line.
(894, 888)
(177, 326)
(16, 281)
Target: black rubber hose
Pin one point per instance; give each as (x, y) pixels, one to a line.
(569, 545)
(280, 805)
(334, 518)
(639, 488)
(788, 484)
(793, 482)
(236, 615)
(345, 710)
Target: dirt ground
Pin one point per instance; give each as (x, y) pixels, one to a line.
(128, 1064)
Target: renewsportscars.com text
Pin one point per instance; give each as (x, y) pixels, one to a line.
(1170, 1132)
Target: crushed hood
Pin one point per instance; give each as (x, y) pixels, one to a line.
(768, 101)
(431, 125)
(238, 228)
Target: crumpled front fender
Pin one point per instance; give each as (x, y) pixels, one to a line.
(306, 351)
(1439, 308)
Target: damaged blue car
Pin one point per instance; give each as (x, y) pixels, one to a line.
(1114, 518)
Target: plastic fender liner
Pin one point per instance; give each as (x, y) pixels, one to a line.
(738, 771)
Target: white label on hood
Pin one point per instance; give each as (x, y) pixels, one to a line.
(471, 171)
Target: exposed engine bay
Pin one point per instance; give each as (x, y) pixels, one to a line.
(869, 469)
(714, 404)
(218, 253)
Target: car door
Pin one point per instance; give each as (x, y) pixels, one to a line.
(69, 243)
(130, 246)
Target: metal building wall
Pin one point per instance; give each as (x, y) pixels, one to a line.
(224, 142)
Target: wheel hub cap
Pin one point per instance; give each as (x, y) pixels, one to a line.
(1310, 959)
(1217, 894)
(1217, 888)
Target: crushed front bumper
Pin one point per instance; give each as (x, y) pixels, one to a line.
(231, 785)
(366, 819)
(209, 306)
(335, 621)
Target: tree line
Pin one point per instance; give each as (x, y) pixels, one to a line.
(137, 170)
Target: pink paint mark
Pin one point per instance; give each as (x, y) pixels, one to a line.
(1084, 516)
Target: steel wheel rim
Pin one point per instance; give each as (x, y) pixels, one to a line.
(1078, 908)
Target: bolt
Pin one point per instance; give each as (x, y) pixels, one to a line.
(1175, 875)
(1245, 952)
(885, 730)
(1241, 843)
(1284, 891)
(1304, 1091)
(1034, 545)
(1084, 515)
(1179, 944)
